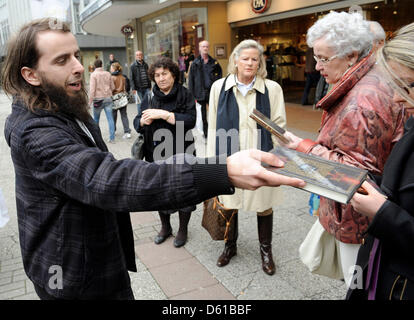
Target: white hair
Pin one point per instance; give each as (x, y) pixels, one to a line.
(345, 33)
(378, 31)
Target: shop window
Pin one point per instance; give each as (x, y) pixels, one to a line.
(166, 34)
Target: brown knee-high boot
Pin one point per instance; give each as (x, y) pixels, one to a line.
(265, 228)
(166, 229)
(230, 247)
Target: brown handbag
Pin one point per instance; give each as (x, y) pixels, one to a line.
(218, 220)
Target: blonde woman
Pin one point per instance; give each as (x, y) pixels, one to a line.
(387, 253)
(232, 99)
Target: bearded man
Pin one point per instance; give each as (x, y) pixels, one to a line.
(73, 197)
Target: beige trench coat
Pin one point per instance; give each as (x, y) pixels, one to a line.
(264, 197)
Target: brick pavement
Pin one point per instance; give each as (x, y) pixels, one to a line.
(189, 272)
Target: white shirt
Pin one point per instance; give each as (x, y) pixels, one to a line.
(85, 129)
(244, 88)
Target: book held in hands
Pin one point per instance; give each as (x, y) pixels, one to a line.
(326, 178)
(269, 125)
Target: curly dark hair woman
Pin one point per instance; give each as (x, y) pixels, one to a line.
(167, 107)
(165, 63)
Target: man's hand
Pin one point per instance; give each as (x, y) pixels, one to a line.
(294, 140)
(245, 170)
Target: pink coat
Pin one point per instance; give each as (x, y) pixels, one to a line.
(360, 125)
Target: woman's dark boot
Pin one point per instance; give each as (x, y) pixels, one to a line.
(181, 237)
(230, 247)
(265, 228)
(166, 229)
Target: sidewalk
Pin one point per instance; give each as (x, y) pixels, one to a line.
(190, 272)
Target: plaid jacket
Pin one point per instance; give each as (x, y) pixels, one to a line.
(73, 200)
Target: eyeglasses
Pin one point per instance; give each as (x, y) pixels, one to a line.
(323, 60)
(407, 88)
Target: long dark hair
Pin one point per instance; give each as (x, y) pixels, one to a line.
(23, 52)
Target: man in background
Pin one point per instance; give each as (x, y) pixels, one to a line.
(203, 72)
(140, 81)
(111, 61)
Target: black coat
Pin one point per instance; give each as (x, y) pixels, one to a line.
(136, 80)
(73, 201)
(179, 101)
(393, 225)
(196, 83)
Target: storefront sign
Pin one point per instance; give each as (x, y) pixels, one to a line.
(127, 30)
(260, 6)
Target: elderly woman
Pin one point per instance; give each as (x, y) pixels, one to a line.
(168, 108)
(390, 235)
(360, 122)
(232, 99)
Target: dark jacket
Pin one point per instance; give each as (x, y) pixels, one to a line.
(73, 200)
(179, 101)
(393, 225)
(108, 65)
(196, 81)
(137, 81)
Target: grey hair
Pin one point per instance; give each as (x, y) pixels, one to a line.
(235, 55)
(399, 49)
(345, 32)
(377, 30)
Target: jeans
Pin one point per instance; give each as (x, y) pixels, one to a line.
(141, 93)
(107, 106)
(124, 118)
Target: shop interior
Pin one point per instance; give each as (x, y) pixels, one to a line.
(285, 40)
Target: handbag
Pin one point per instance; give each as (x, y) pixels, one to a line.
(120, 100)
(320, 253)
(218, 220)
(137, 149)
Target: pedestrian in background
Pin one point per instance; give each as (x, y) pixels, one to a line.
(311, 74)
(73, 197)
(120, 86)
(360, 123)
(232, 99)
(203, 72)
(100, 95)
(140, 81)
(110, 62)
(387, 253)
(168, 105)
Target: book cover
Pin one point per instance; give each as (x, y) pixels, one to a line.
(327, 178)
(269, 125)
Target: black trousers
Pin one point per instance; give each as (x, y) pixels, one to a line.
(203, 105)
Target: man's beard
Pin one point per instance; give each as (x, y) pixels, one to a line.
(76, 106)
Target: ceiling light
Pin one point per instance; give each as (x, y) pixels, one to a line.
(157, 21)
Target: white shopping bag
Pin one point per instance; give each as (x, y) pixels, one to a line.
(199, 119)
(4, 215)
